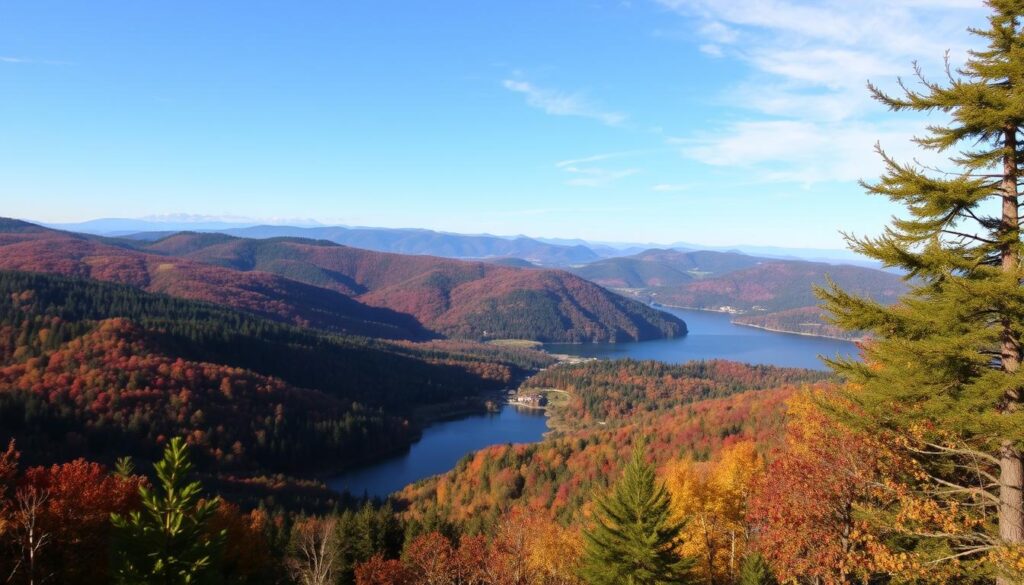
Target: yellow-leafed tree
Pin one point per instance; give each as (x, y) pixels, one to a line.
(711, 497)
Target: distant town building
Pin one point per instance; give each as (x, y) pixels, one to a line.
(535, 399)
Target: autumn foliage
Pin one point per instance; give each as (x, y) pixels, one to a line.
(327, 286)
(523, 550)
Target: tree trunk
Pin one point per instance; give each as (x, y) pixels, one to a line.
(1011, 465)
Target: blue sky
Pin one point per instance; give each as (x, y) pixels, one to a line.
(705, 121)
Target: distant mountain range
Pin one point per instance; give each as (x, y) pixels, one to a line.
(552, 252)
(763, 292)
(663, 268)
(328, 286)
(417, 241)
(765, 286)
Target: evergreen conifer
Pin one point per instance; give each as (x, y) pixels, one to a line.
(635, 540)
(943, 365)
(168, 542)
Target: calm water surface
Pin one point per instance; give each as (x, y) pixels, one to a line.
(441, 447)
(711, 335)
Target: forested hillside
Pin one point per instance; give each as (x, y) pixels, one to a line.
(28, 247)
(662, 268)
(803, 320)
(609, 391)
(764, 292)
(678, 411)
(326, 286)
(92, 368)
(780, 285)
(558, 477)
(474, 300)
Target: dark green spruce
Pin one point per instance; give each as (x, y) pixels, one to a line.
(634, 540)
(168, 542)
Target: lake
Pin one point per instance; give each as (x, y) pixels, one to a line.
(441, 447)
(711, 335)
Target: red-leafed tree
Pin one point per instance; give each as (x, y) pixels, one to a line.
(246, 550)
(8, 472)
(80, 497)
(380, 571)
(815, 510)
(430, 559)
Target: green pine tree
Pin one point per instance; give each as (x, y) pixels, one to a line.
(755, 571)
(168, 542)
(635, 540)
(944, 363)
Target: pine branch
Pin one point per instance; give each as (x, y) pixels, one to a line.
(968, 236)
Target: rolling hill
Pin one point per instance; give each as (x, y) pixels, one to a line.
(28, 247)
(428, 242)
(475, 300)
(779, 286)
(763, 292)
(657, 267)
(324, 285)
(779, 295)
(94, 368)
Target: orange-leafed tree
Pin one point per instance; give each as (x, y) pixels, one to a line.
(508, 557)
(429, 558)
(822, 510)
(75, 514)
(381, 571)
(247, 554)
(8, 475)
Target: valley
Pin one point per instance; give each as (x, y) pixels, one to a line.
(711, 337)
(308, 376)
(512, 293)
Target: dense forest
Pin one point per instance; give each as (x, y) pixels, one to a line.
(91, 367)
(803, 320)
(780, 285)
(609, 391)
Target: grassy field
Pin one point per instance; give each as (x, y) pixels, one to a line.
(521, 343)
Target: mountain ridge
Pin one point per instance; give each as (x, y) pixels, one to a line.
(327, 285)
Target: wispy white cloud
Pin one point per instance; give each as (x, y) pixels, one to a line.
(670, 187)
(27, 61)
(803, 112)
(597, 177)
(712, 49)
(584, 173)
(719, 32)
(595, 158)
(226, 218)
(804, 152)
(560, 103)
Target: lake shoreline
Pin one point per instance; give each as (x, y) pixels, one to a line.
(439, 448)
(800, 333)
(456, 429)
(761, 327)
